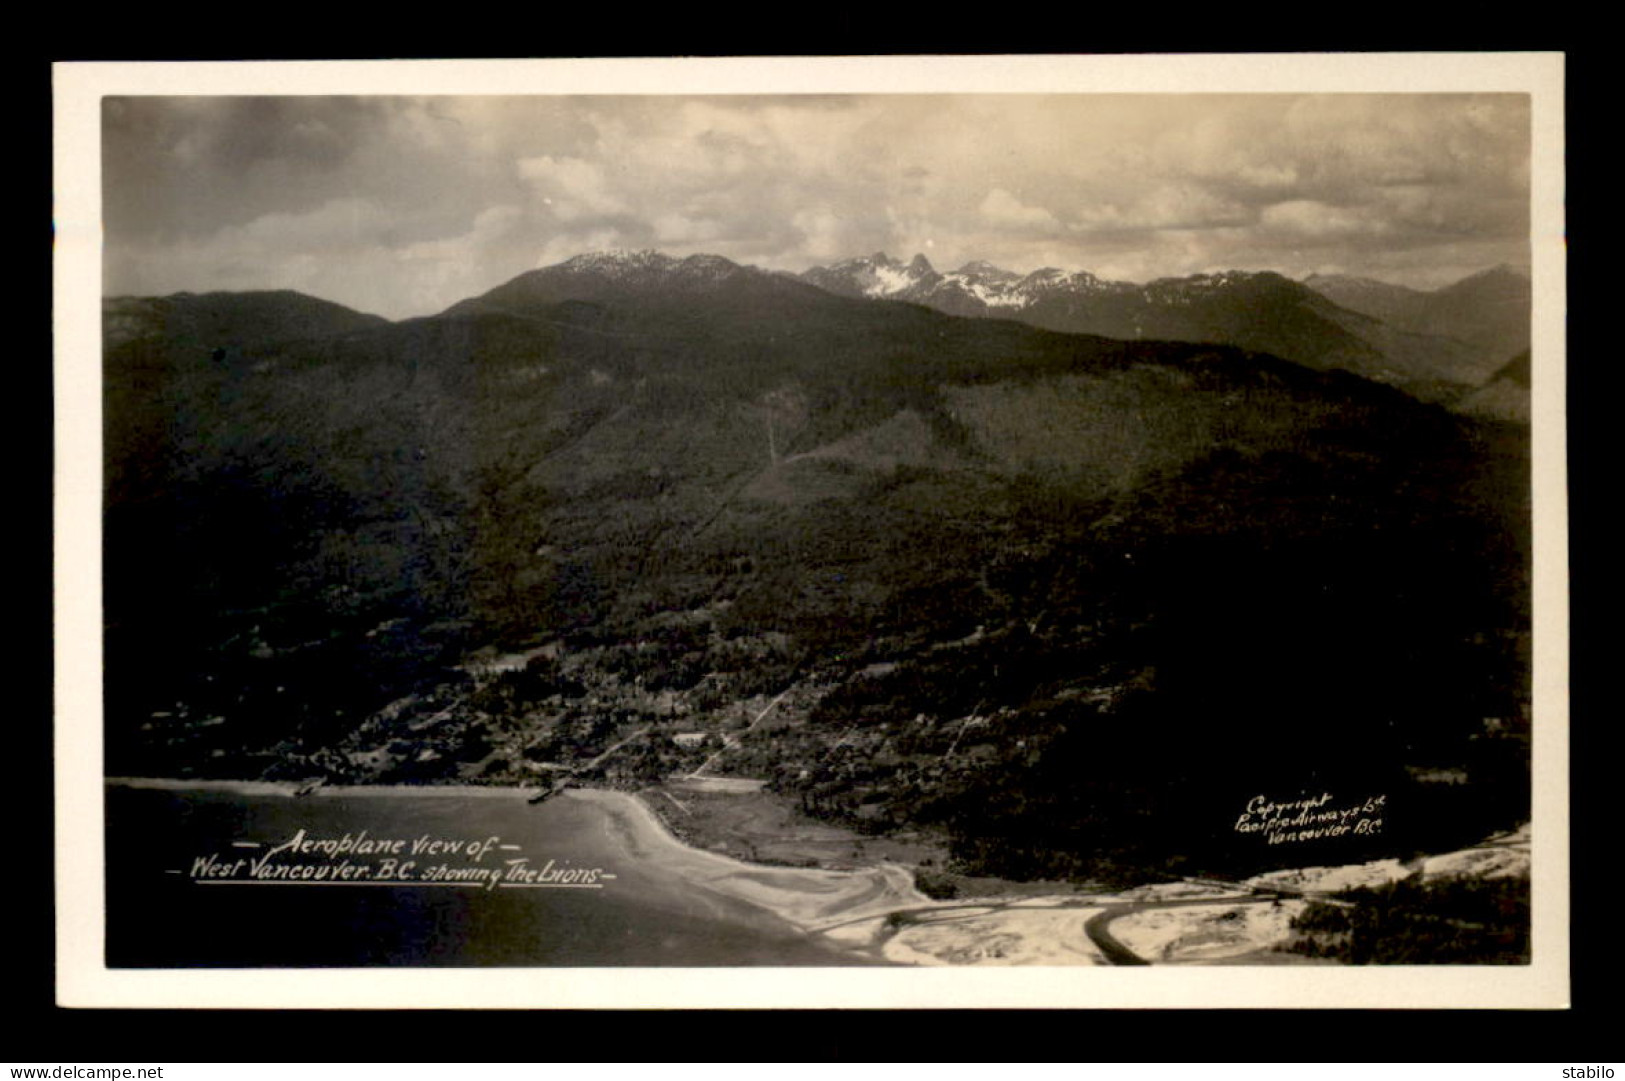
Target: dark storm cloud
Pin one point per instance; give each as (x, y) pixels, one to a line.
(197, 163)
(405, 205)
(249, 132)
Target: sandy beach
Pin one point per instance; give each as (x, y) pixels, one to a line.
(867, 914)
(808, 899)
(650, 901)
(811, 900)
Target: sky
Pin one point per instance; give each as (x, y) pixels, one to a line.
(401, 206)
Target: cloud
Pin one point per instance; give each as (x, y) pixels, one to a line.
(378, 200)
(1308, 218)
(681, 229)
(275, 250)
(1002, 208)
(822, 234)
(461, 265)
(573, 188)
(1179, 205)
(562, 246)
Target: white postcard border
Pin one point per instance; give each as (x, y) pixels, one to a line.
(83, 979)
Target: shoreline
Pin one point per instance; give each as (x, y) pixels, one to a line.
(292, 789)
(876, 911)
(808, 899)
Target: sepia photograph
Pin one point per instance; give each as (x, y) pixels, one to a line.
(886, 531)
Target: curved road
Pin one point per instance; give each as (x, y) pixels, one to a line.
(1096, 927)
(1119, 954)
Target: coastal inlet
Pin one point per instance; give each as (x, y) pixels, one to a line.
(248, 875)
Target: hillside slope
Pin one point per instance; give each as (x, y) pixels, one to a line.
(1064, 598)
(1434, 346)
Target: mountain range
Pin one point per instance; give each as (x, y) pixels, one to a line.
(1488, 310)
(1156, 574)
(1438, 346)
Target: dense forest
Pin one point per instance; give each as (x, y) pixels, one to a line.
(1070, 602)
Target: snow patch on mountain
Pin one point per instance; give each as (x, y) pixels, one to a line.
(624, 265)
(890, 280)
(976, 284)
(986, 291)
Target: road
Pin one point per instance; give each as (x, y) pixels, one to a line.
(729, 742)
(1117, 953)
(1096, 927)
(611, 749)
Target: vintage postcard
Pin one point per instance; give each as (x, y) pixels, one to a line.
(1020, 531)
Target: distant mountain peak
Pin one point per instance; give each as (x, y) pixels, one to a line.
(712, 267)
(1501, 281)
(254, 317)
(860, 263)
(1230, 277)
(617, 257)
(602, 275)
(882, 259)
(975, 288)
(1051, 279)
(1316, 277)
(877, 276)
(623, 263)
(981, 268)
(1499, 272)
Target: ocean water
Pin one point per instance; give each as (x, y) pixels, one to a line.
(195, 878)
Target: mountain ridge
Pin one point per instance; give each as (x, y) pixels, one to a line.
(702, 486)
(1489, 311)
(1436, 344)
(1440, 357)
(230, 318)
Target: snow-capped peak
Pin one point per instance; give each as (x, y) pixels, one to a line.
(863, 263)
(975, 287)
(621, 264)
(877, 275)
(617, 261)
(889, 280)
(986, 271)
(711, 267)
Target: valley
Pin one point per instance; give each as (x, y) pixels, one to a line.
(832, 582)
(1436, 345)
